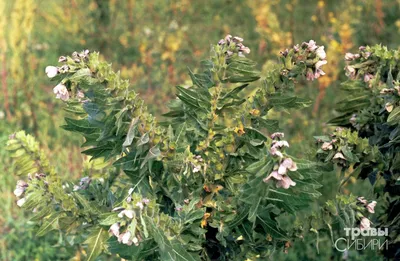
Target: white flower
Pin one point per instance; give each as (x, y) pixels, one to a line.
(368, 77)
(362, 200)
(339, 155)
(196, 169)
(274, 174)
(275, 152)
(245, 49)
(51, 71)
(365, 223)
(21, 202)
(320, 52)
(327, 146)
(61, 92)
(310, 75)
(140, 205)
(280, 144)
(319, 64)
(19, 191)
(114, 229)
(146, 201)
(311, 45)
(125, 238)
(350, 72)
(277, 135)
(128, 213)
(349, 57)
(388, 107)
(62, 59)
(237, 39)
(285, 182)
(285, 165)
(135, 241)
(371, 207)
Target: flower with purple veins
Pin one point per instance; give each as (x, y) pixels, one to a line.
(371, 207)
(311, 45)
(285, 182)
(277, 135)
(365, 223)
(61, 92)
(274, 174)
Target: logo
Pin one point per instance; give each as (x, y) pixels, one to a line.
(361, 239)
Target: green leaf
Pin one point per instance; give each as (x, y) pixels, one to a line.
(96, 243)
(170, 249)
(48, 225)
(131, 133)
(394, 116)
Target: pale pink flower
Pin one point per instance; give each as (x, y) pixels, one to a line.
(350, 71)
(285, 182)
(21, 202)
(320, 52)
(319, 64)
(19, 191)
(140, 205)
(318, 73)
(62, 59)
(365, 223)
(61, 92)
(349, 57)
(280, 144)
(20, 188)
(277, 135)
(310, 75)
(128, 213)
(114, 229)
(311, 45)
(388, 107)
(371, 207)
(339, 155)
(285, 165)
(362, 200)
(237, 39)
(327, 146)
(368, 77)
(125, 238)
(196, 169)
(51, 71)
(245, 49)
(274, 174)
(275, 152)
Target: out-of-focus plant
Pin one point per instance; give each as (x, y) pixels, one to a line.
(213, 186)
(371, 112)
(22, 20)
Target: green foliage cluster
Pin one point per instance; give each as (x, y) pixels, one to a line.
(198, 179)
(153, 47)
(370, 113)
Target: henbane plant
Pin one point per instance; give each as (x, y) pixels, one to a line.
(207, 183)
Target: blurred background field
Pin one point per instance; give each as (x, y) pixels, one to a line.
(153, 43)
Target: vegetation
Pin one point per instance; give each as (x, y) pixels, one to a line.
(211, 176)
